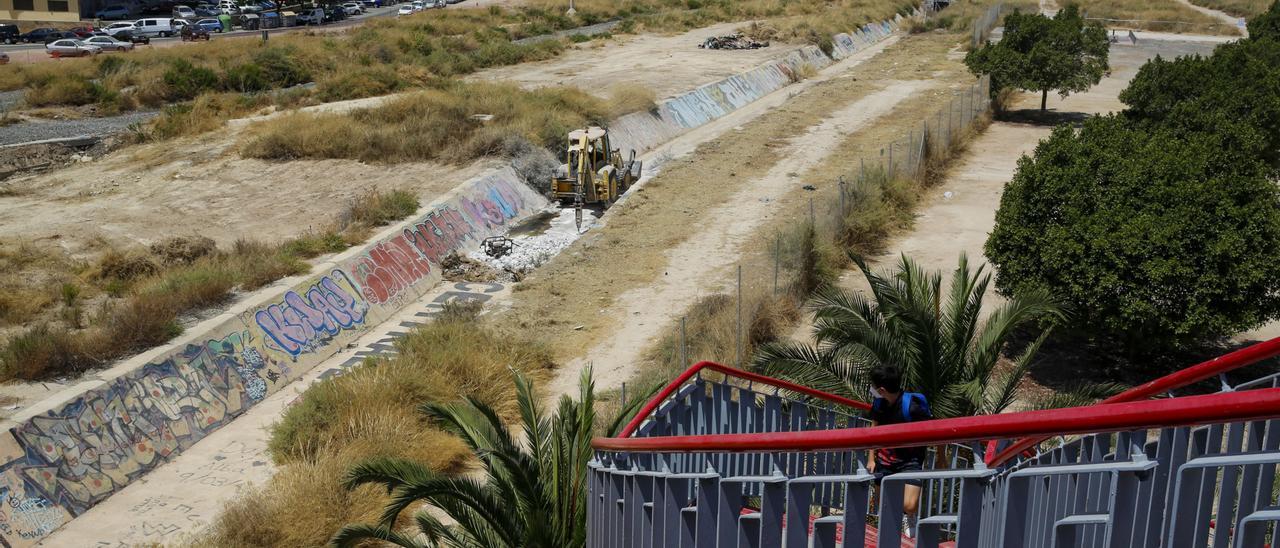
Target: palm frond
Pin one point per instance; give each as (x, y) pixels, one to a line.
(389, 472)
(354, 534)
(808, 366)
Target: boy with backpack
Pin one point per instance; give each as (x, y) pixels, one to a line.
(893, 406)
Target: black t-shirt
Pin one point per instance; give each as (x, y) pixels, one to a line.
(885, 413)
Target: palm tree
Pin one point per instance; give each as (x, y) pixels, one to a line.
(944, 347)
(533, 493)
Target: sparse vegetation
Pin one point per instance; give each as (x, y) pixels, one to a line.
(1152, 15)
(135, 299)
(1238, 8)
(394, 131)
(370, 413)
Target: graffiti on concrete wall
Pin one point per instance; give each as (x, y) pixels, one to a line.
(303, 322)
(399, 262)
(90, 447)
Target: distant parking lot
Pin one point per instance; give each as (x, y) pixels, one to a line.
(32, 53)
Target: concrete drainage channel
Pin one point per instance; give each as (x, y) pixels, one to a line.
(76, 449)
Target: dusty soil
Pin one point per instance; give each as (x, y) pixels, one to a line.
(677, 237)
(666, 64)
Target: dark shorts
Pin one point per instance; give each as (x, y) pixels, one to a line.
(883, 470)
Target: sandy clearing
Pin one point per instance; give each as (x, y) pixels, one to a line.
(1221, 16)
(699, 263)
(666, 64)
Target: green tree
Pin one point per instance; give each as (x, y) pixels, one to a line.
(1157, 237)
(945, 347)
(533, 494)
(1266, 25)
(1234, 92)
(1039, 53)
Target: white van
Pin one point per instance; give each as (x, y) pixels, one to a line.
(159, 26)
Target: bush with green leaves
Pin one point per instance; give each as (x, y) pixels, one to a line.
(1038, 53)
(1235, 92)
(1266, 24)
(186, 81)
(1158, 237)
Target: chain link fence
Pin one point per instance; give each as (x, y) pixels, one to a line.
(762, 300)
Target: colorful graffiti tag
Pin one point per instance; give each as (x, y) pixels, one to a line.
(79, 454)
(301, 323)
(402, 260)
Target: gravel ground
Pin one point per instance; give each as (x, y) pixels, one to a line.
(9, 99)
(56, 129)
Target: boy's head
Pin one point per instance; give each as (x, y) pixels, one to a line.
(886, 380)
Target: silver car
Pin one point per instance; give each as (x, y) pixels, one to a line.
(108, 43)
(71, 48)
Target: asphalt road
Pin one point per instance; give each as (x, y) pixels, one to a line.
(30, 53)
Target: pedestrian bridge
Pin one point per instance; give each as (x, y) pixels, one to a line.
(727, 458)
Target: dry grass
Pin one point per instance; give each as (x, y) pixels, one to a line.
(628, 98)
(1153, 15)
(372, 411)
(1238, 8)
(394, 132)
(138, 297)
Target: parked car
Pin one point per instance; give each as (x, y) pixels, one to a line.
(436, 4)
(229, 7)
(333, 14)
(418, 5)
(268, 5)
(118, 26)
(115, 11)
(405, 10)
(353, 8)
(372, 3)
(191, 33)
(9, 34)
(129, 36)
(205, 10)
(84, 31)
(156, 26)
(183, 12)
(108, 43)
(310, 16)
(208, 25)
(37, 35)
(70, 47)
(60, 35)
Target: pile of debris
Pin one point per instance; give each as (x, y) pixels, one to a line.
(456, 267)
(736, 40)
(523, 253)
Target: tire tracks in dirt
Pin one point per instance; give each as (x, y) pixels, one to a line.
(704, 259)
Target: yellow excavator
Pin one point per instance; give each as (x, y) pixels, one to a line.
(593, 172)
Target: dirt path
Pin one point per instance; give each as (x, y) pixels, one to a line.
(701, 262)
(1224, 17)
(665, 64)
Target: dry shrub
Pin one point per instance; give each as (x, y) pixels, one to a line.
(257, 264)
(374, 208)
(27, 354)
(455, 356)
(370, 412)
(182, 250)
(394, 132)
(125, 266)
(627, 98)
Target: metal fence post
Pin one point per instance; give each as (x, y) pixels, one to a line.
(890, 160)
(738, 344)
(777, 261)
(684, 349)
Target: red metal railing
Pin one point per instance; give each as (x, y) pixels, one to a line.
(1151, 414)
(1180, 379)
(696, 368)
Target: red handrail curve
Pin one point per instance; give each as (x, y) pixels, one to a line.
(679, 381)
(1142, 415)
(1185, 377)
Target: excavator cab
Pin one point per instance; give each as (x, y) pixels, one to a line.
(593, 173)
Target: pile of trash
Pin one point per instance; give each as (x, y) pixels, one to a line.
(736, 40)
(529, 251)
